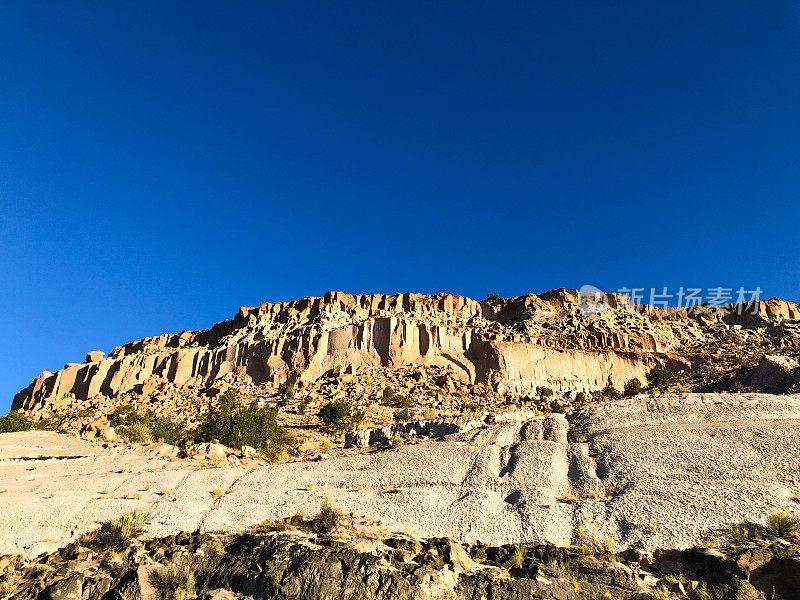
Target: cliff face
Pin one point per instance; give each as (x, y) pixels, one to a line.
(512, 345)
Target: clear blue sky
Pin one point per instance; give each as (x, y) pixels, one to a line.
(163, 163)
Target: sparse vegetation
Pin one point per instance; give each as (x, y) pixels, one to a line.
(402, 401)
(580, 398)
(403, 415)
(328, 518)
(783, 524)
(128, 526)
(217, 493)
(493, 298)
(396, 441)
(236, 425)
(556, 407)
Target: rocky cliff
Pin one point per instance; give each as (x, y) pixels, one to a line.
(509, 345)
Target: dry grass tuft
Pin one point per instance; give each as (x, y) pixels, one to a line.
(783, 524)
(128, 526)
(328, 518)
(176, 580)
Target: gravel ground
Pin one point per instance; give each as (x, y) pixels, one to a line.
(645, 472)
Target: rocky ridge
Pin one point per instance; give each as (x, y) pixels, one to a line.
(502, 346)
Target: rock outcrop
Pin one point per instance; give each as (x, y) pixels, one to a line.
(511, 345)
(294, 565)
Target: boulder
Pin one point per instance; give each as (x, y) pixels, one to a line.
(94, 356)
(213, 452)
(776, 373)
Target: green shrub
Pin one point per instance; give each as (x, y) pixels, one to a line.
(493, 298)
(303, 406)
(14, 421)
(783, 524)
(236, 425)
(328, 518)
(286, 391)
(86, 412)
(388, 393)
(556, 407)
(470, 407)
(580, 398)
(543, 392)
(609, 392)
(659, 376)
(403, 415)
(335, 414)
(632, 387)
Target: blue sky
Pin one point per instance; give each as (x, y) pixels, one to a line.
(163, 163)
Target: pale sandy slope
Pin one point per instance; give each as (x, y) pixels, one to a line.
(674, 467)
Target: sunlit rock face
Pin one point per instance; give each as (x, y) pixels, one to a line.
(513, 345)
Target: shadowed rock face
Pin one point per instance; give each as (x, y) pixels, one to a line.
(513, 345)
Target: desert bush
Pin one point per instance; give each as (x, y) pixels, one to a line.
(659, 376)
(403, 415)
(388, 393)
(14, 421)
(328, 518)
(128, 526)
(783, 524)
(632, 387)
(303, 406)
(86, 412)
(125, 418)
(609, 392)
(543, 392)
(137, 432)
(335, 414)
(470, 407)
(286, 391)
(175, 580)
(580, 398)
(236, 425)
(556, 407)
(396, 441)
(493, 298)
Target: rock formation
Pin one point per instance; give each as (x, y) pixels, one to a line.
(510, 345)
